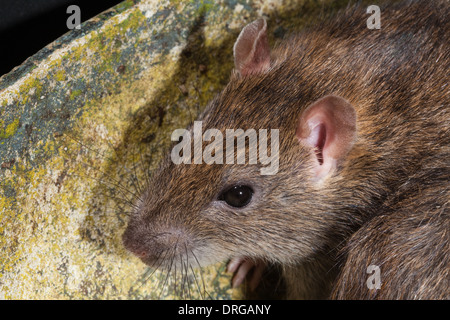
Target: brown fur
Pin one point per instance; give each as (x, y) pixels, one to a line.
(409, 241)
(386, 204)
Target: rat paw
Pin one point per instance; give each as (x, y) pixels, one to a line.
(241, 266)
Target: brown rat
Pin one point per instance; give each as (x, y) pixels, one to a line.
(363, 162)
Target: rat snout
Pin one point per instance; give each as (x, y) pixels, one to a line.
(156, 248)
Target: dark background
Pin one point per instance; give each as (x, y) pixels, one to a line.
(26, 26)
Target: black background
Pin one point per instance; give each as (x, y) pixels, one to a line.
(26, 26)
(278, 310)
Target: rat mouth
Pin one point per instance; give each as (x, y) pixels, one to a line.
(159, 249)
(173, 260)
(169, 251)
(180, 272)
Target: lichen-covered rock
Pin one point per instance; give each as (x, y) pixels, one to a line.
(83, 120)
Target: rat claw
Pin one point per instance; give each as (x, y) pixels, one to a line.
(240, 266)
(241, 273)
(234, 264)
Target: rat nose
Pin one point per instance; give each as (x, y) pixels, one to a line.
(138, 251)
(134, 241)
(150, 247)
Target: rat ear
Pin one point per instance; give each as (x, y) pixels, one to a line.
(328, 126)
(251, 50)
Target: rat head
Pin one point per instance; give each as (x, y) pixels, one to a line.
(201, 212)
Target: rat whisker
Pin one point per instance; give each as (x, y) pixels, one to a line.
(187, 278)
(100, 154)
(183, 278)
(144, 169)
(201, 274)
(185, 273)
(125, 199)
(122, 201)
(150, 271)
(196, 282)
(193, 272)
(174, 276)
(139, 187)
(187, 263)
(182, 281)
(171, 264)
(116, 212)
(113, 182)
(134, 180)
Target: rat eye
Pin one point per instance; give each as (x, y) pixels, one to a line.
(237, 196)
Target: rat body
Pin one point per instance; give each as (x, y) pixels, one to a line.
(364, 137)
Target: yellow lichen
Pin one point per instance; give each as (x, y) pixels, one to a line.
(8, 130)
(60, 75)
